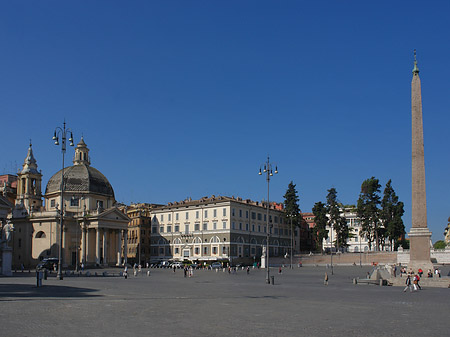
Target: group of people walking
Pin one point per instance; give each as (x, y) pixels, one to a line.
(412, 285)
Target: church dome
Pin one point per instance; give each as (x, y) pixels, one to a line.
(81, 177)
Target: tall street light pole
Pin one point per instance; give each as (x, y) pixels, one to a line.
(269, 173)
(61, 132)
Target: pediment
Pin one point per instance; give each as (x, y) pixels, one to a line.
(113, 214)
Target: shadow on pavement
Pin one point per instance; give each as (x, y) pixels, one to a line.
(47, 291)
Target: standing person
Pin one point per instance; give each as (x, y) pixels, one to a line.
(418, 279)
(248, 270)
(125, 272)
(325, 280)
(420, 271)
(185, 271)
(415, 282)
(395, 270)
(408, 284)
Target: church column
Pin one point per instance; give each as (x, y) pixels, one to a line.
(119, 248)
(64, 258)
(83, 244)
(105, 247)
(125, 246)
(97, 245)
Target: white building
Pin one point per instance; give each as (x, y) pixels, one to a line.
(217, 228)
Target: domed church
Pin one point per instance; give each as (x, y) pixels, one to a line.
(94, 229)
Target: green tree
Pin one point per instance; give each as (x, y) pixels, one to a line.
(291, 207)
(320, 218)
(391, 214)
(368, 212)
(335, 220)
(439, 244)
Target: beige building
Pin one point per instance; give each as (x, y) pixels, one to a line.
(217, 229)
(93, 227)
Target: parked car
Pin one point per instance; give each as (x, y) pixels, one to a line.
(216, 265)
(48, 263)
(177, 264)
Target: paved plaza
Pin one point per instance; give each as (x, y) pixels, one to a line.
(220, 304)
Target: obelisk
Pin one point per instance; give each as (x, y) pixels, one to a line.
(419, 235)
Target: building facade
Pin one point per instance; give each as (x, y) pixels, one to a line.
(217, 229)
(93, 227)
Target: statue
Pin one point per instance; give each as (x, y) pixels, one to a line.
(7, 232)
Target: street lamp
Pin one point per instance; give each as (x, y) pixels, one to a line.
(63, 133)
(269, 173)
(292, 238)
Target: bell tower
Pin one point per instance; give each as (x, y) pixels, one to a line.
(29, 184)
(81, 154)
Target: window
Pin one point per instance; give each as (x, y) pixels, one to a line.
(74, 201)
(186, 228)
(169, 217)
(233, 212)
(265, 229)
(197, 226)
(154, 230)
(224, 212)
(233, 225)
(99, 203)
(265, 217)
(206, 214)
(240, 213)
(162, 217)
(214, 225)
(177, 228)
(205, 226)
(270, 218)
(176, 216)
(259, 228)
(187, 215)
(259, 216)
(253, 227)
(224, 225)
(224, 250)
(253, 216)
(169, 229)
(197, 214)
(161, 229)
(214, 250)
(240, 225)
(356, 239)
(177, 250)
(246, 227)
(246, 214)
(205, 250)
(215, 213)
(276, 219)
(276, 230)
(52, 203)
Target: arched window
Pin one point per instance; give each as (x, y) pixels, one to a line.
(197, 240)
(40, 235)
(214, 239)
(253, 241)
(240, 240)
(276, 243)
(177, 241)
(161, 242)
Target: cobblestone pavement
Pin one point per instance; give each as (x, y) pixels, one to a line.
(220, 304)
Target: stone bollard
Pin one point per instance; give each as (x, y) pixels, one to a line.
(355, 281)
(273, 280)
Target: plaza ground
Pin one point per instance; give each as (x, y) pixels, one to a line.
(220, 304)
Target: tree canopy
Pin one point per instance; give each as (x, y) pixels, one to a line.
(321, 233)
(368, 212)
(391, 214)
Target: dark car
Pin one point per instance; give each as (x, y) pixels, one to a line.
(48, 263)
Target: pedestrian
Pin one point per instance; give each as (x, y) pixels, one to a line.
(418, 279)
(248, 270)
(408, 284)
(279, 270)
(125, 272)
(420, 271)
(395, 270)
(174, 267)
(415, 282)
(185, 271)
(82, 266)
(325, 280)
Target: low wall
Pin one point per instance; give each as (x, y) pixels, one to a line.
(368, 258)
(441, 256)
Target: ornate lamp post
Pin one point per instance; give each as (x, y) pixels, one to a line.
(268, 171)
(61, 132)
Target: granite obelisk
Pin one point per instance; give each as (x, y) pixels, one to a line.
(419, 235)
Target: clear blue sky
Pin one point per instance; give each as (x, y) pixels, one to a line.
(181, 99)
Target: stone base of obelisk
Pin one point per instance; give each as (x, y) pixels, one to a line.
(419, 250)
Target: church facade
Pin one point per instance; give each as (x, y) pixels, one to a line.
(93, 227)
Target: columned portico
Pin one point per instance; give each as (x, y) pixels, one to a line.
(83, 245)
(105, 247)
(97, 245)
(119, 247)
(125, 246)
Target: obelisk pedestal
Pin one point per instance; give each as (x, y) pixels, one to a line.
(419, 235)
